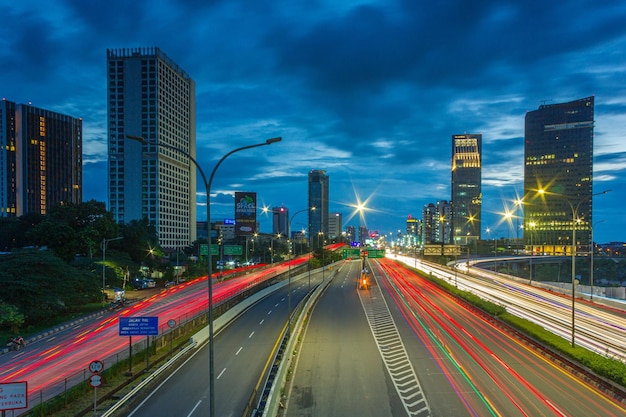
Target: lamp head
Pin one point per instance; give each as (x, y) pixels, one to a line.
(273, 140)
(137, 138)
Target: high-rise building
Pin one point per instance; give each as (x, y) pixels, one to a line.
(335, 225)
(436, 225)
(318, 198)
(558, 175)
(41, 159)
(466, 187)
(150, 96)
(280, 221)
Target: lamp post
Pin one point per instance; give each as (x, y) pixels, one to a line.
(574, 220)
(593, 249)
(207, 186)
(532, 252)
(289, 268)
(103, 246)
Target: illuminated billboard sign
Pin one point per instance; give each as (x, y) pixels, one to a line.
(245, 213)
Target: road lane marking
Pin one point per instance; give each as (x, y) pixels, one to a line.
(221, 373)
(251, 334)
(194, 408)
(261, 322)
(240, 349)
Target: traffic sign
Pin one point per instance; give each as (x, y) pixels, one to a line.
(376, 253)
(95, 380)
(95, 367)
(13, 395)
(350, 253)
(232, 250)
(139, 326)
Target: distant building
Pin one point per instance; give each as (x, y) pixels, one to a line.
(335, 225)
(150, 96)
(318, 198)
(558, 158)
(413, 231)
(436, 225)
(41, 159)
(280, 221)
(363, 235)
(350, 234)
(466, 187)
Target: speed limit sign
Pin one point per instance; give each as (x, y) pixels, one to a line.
(95, 380)
(96, 367)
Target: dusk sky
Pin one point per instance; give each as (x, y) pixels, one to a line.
(370, 91)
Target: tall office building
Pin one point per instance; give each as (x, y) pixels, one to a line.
(558, 156)
(152, 97)
(318, 198)
(335, 226)
(41, 159)
(466, 187)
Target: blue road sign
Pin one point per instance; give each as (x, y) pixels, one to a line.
(139, 326)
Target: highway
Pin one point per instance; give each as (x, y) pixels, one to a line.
(242, 350)
(60, 359)
(598, 328)
(459, 363)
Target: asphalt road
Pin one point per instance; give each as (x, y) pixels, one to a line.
(352, 359)
(242, 350)
(339, 370)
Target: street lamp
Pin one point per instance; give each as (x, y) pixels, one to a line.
(575, 219)
(289, 268)
(103, 246)
(593, 249)
(207, 186)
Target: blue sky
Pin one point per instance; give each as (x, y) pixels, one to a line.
(370, 91)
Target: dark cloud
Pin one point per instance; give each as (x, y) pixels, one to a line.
(371, 93)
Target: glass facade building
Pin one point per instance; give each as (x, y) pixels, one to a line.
(148, 95)
(558, 176)
(466, 187)
(318, 198)
(41, 161)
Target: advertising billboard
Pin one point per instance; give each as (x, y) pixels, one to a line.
(245, 213)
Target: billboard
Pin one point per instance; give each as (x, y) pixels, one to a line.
(245, 213)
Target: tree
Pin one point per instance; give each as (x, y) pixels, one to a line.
(42, 286)
(10, 317)
(140, 239)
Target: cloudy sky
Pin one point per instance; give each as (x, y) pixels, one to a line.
(370, 91)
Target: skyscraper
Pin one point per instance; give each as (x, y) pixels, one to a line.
(318, 198)
(466, 187)
(558, 175)
(150, 96)
(41, 159)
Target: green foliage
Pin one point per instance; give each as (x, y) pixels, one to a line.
(10, 317)
(140, 237)
(41, 286)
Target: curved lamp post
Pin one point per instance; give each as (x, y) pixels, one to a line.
(574, 219)
(207, 185)
(289, 267)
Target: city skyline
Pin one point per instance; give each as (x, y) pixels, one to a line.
(369, 93)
